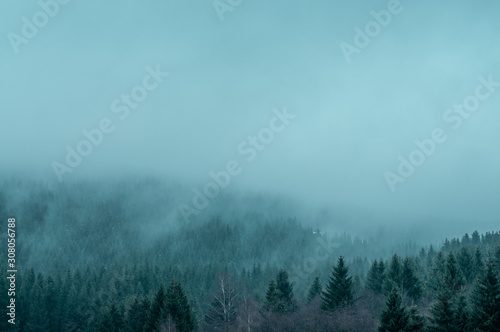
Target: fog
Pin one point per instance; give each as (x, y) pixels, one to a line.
(330, 120)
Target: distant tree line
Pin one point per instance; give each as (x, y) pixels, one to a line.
(456, 288)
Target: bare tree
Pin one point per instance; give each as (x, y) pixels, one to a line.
(249, 317)
(222, 310)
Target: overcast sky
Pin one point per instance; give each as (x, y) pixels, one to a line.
(355, 115)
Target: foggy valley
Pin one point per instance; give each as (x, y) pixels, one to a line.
(239, 165)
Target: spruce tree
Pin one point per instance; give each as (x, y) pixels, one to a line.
(394, 318)
(116, 318)
(394, 275)
(373, 280)
(272, 299)
(105, 322)
(485, 301)
(478, 262)
(179, 309)
(443, 314)
(135, 316)
(466, 264)
(156, 312)
(287, 302)
(410, 281)
(453, 277)
(339, 290)
(461, 314)
(314, 290)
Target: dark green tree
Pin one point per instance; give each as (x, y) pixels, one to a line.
(156, 312)
(284, 287)
(110, 320)
(135, 316)
(410, 281)
(339, 290)
(466, 264)
(416, 321)
(272, 299)
(443, 314)
(478, 261)
(461, 315)
(314, 290)
(394, 275)
(374, 279)
(116, 317)
(453, 277)
(395, 317)
(485, 301)
(179, 309)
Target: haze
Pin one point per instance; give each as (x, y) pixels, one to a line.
(354, 115)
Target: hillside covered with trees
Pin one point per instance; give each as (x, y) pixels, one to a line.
(85, 267)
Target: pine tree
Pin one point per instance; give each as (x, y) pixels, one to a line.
(116, 318)
(105, 322)
(179, 309)
(394, 317)
(443, 314)
(461, 315)
(416, 321)
(156, 312)
(410, 281)
(373, 278)
(314, 290)
(437, 271)
(135, 316)
(338, 291)
(466, 264)
(394, 275)
(272, 299)
(478, 262)
(453, 277)
(287, 302)
(50, 303)
(485, 300)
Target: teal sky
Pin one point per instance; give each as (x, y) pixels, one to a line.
(353, 120)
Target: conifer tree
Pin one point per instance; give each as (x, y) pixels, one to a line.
(179, 309)
(287, 302)
(338, 292)
(453, 277)
(116, 318)
(394, 318)
(135, 316)
(314, 290)
(373, 280)
(410, 281)
(156, 312)
(394, 275)
(485, 301)
(466, 264)
(443, 314)
(461, 314)
(416, 321)
(272, 299)
(478, 261)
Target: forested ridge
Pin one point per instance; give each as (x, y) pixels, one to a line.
(85, 266)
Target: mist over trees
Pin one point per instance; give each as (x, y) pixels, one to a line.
(85, 267)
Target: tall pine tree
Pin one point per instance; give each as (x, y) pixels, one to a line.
(179, 309)
(314, 290)
(485, 301)
(339, 290)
